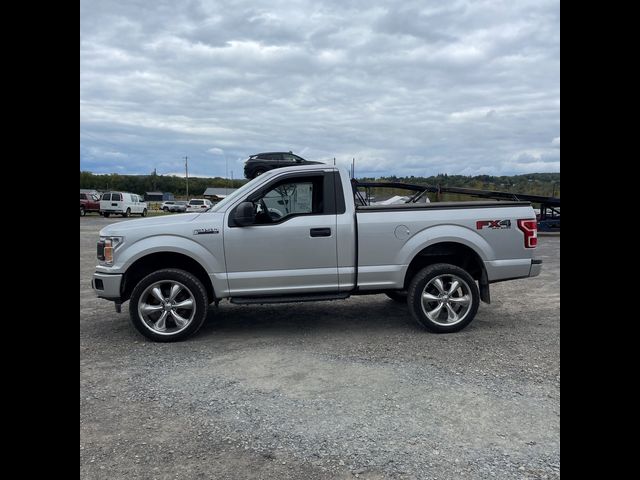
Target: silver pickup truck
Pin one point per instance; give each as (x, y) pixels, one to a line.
(298, 234)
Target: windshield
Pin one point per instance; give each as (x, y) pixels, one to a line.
(235, 195)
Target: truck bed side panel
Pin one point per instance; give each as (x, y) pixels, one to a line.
(389, 238)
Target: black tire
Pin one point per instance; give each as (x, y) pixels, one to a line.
(166, 209)
(82, 212)
(258, 171)
(196, 289)
(397, 296)
(144, 212)
(106, 215)
(443, 270)
(127, 213)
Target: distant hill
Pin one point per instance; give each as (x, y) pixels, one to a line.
(530, 183)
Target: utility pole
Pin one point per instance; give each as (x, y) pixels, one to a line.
(186, 171)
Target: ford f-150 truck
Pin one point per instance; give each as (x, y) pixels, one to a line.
(297, 234)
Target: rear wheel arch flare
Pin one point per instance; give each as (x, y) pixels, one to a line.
(453, 253)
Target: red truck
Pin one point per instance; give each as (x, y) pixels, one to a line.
(89, 202)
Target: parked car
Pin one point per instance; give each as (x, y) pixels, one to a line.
(178, 206)
(165, 205)
(122, 203)
(198, 205)
(89, 202)
(258, 164)
(295, 235)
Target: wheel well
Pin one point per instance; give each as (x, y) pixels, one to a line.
(446, 252)
(156, 261)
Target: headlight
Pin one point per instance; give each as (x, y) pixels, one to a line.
(106, 247)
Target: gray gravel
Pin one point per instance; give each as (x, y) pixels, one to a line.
(346, 389)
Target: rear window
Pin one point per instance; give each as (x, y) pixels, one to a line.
(197, 202)
(83, 196)
(116, 197)
(106, 196)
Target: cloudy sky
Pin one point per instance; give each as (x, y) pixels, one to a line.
(405, 88)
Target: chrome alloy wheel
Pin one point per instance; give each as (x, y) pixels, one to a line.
(167, 307)
(446, 300)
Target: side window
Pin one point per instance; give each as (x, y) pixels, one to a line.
(274, 157)
(300, 196)
(106, 196)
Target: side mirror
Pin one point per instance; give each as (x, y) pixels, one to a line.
(244, 215)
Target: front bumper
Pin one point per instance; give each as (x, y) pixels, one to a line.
(107, 285)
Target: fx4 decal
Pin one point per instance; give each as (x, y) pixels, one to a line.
(493, 224)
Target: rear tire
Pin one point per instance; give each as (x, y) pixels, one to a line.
(258, 172)
(127, 213)
(144, 212)
(145, 309)
(443, 298)
(106, 215)
(82, 212)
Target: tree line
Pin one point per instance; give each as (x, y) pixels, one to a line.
(546, 184)
(141, 184)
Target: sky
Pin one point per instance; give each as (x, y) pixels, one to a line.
(404, 88)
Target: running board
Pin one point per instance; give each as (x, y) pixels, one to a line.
(316, 297)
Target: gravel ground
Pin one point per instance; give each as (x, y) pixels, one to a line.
(324, 390)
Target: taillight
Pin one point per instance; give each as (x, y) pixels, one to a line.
(530, 229)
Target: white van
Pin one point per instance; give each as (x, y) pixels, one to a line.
(122, 203)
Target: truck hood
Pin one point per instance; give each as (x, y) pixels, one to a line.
(155, 223)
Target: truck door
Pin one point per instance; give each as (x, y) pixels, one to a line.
(291, 248)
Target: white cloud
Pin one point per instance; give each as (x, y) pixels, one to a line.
(414, 88)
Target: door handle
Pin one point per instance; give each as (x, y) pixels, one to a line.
(320, 232)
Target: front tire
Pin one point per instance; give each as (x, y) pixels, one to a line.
(168, 305)
(443, 298)
(82, 212)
